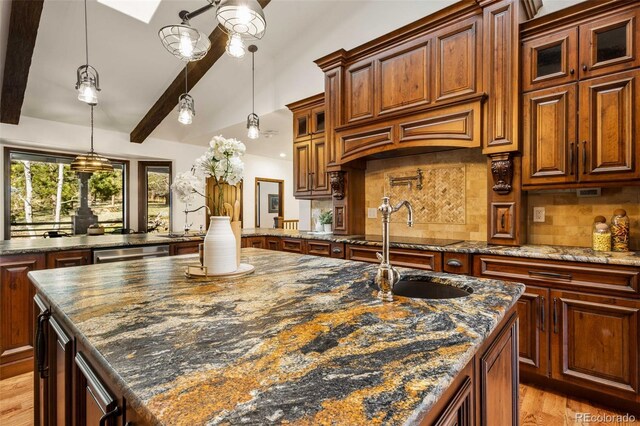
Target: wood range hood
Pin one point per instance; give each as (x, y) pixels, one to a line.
(441, 82)
(448, 80)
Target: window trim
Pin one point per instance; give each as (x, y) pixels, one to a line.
(142, 192)
(6, 179)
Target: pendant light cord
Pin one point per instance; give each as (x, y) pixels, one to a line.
(253, 83)
(86, 35)
(186, 74)
(92, 128)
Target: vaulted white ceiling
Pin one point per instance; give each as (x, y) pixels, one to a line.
(135, 69)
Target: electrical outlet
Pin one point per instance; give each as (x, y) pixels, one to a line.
(538, 214)
(372, 213)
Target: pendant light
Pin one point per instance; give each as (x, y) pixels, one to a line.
(184, 42)
(91, 161)
(88, 81)
(253, 121)
(242, 17)
(186, 105)
(235, 46)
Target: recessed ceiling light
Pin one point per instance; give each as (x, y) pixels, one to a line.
(282, 154)
(142, 10)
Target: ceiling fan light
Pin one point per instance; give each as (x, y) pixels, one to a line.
(244, 17)
(186, 109)
(184, 42)
(235, 46)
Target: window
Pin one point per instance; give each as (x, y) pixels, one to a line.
(154, 196)
(43, 193)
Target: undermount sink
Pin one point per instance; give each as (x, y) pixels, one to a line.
(423, 287)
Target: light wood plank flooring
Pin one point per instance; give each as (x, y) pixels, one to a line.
(538, 407)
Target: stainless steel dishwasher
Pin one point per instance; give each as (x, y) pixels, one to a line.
(130, 253)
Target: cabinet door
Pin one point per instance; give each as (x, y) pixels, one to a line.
(60, 374)
(302, 168)
(293, 245)
(65, 259)
(16, 313)
(319, 177)
(595, 342)
(93, 401)
(317, 120)
(550, 60)
(301, 125)
(610, 44)
(319, 248)
(272, 243)
(41, 399)
(549, 133)
(533, 330)
(609, 127)
(256, 242)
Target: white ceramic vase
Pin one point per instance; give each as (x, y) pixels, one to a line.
(319, 226)
(327, 228)
(220, 246)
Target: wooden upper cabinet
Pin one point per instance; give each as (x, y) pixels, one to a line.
(319, 178)
(318, 121)
(610, 127)
(457, 52)
(402, 78)
(610, 44)
(359, 91)
(586, 330)
(549, 133)
(550, 60)
(302, 168)
(301, 125)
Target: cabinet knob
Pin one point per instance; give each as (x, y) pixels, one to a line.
(572, 71)
(584, 67)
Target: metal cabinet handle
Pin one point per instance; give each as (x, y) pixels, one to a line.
(584, 157)
(542, 313)
(502, 220)
(555, 315)
(571, 158)
(41, 344)
(113, 413)
(454, 262)
(552, 275)
(337, 250)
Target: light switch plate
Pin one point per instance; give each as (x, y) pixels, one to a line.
(539, 214)
(372, 213)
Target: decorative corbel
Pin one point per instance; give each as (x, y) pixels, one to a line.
(502, 172)
(336, 180)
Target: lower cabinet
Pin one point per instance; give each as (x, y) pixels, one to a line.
(253, 242)
(272, 243)
(419, 259)
(188, 247)
(293, 245)
(94, 404)
(67, 258)
(16, 313)
(533, 313)
(595, 342)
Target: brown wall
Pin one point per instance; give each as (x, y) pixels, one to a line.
(569, 218)
(452, 204)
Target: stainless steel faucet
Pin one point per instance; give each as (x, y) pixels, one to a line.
(387, 275)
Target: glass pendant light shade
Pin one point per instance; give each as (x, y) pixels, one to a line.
(87, 84)
(186, 109)
(244, 17)
(184, 42)
(235, 46)
(253, 126)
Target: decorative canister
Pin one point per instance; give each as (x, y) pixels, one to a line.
(601, 235)
(620, 231)
(220, 246)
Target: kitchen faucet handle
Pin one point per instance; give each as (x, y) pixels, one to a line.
(379, 256)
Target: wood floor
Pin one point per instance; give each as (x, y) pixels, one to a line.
(538, 407)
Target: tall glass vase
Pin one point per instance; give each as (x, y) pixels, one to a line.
(220, 247)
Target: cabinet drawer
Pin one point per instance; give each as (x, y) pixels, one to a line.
(595, 278)
(64, 259)
(457, 263)
(418, 259)
(272, 243)
(185, 248)
(293, 245)
(319, 248)
(337, 250)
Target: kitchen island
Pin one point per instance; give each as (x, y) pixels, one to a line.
(304, 340)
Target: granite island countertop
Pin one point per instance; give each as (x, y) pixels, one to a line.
(565, 253)
(304, 340)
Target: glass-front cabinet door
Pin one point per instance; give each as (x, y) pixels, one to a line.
(610, 44)
(550, 59)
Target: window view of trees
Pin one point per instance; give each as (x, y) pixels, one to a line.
(45, 192)
(158, 192)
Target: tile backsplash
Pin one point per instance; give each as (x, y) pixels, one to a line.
(568, 218)
(452, 203)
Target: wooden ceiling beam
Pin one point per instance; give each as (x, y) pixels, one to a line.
(23, 29)
(169, 99)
